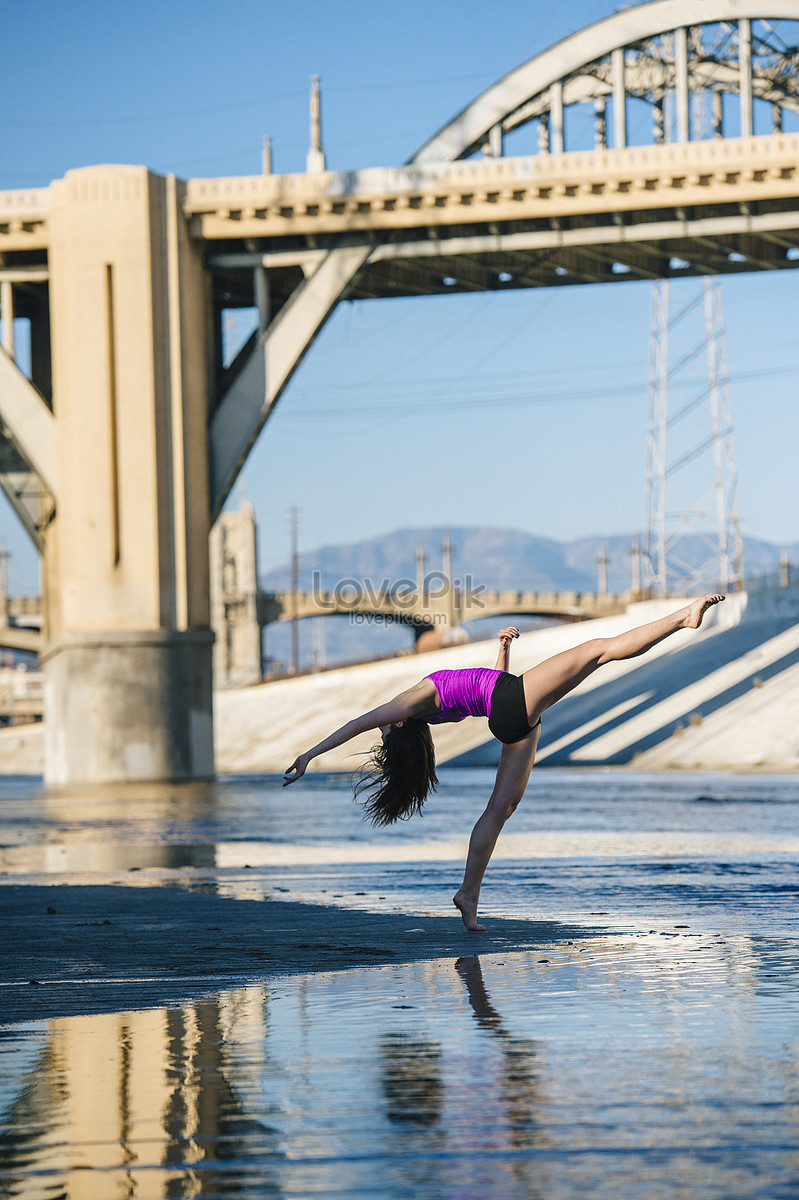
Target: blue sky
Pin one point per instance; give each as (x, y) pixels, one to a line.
(525, 409)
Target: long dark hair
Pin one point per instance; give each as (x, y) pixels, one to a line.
(402, 772)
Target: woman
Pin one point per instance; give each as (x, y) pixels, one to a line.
(402, 770)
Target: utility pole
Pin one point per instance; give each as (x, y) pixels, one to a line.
(293, 589)
(635, 557)
(3, 585)
(785, 569)
(421, 563)
(447, 550)
(318, 653)
(602, 561)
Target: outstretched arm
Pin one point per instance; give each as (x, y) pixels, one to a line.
(505, 636)
(418, 701)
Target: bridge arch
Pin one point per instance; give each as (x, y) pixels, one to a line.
(569, 72)
(612, 59)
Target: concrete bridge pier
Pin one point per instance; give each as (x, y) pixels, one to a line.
(128, 677)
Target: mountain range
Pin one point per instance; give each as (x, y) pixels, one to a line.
(500, 558)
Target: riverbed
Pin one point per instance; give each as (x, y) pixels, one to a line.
(240, 989)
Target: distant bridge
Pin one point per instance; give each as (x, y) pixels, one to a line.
(418, 612)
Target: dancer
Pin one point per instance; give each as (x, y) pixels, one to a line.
(402, 769)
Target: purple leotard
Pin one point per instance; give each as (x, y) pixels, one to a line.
(465, 693)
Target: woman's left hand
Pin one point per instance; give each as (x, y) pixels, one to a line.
(506, 636)
(296, 770)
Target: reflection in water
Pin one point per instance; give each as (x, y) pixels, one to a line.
(519, 1096)
(622, 1071)
(487, 1016)
(445, 1101)
(152, 1097)
(661, 1062)
(412, 1079)
(519, 1086)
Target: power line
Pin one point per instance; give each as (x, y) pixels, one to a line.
(372, 406)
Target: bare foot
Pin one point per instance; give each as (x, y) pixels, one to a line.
(468, 910)
(696, 611)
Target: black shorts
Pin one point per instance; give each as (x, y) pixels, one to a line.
(508, 720)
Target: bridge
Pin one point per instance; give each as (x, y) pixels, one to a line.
(246, 611)
(125, 278)
(452, 606)
(432, 606)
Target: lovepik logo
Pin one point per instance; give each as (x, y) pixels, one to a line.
(350, 595)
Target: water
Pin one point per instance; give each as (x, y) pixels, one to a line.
(659, 1059)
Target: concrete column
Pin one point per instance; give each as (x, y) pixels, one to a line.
(7, 316)
(128, 662)
(556, 143)
(718, 115)
(681, 85)
(543, 133)
(234, 599)
(619, 100)
(125, 706)
(659, 119)
(495, 140)
(600, 123)
(3, 586)
(745, 75)
(262, 298)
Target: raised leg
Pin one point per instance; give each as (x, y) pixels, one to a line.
(554, 678)
(515, 764)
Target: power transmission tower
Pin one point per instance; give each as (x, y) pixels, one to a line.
(693, 527)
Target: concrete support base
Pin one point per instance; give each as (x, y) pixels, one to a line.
(129, 706)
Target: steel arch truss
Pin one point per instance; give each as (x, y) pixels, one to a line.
(657, 53)
(653, 52)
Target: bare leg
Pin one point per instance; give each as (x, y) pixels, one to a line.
(513, 772)
(543, 686)
(554, 678)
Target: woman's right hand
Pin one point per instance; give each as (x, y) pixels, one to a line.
(296, 770)
(506, 636)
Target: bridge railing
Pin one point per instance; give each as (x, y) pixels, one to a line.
(466, 606)
(24, 203)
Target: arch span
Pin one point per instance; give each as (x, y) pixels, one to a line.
(615, 58)
(512, 100)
